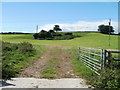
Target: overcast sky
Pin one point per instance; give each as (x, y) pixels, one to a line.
(71, 16)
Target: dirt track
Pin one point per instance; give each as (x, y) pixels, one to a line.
(63, 67)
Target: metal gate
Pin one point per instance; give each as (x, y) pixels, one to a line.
(93, 58)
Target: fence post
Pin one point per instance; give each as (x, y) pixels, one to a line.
(103, 58)
(109, 58)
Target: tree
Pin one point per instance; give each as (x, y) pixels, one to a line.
(105, 29)
(43, 31)
(57, 28)
(51, 31)
(36, 35)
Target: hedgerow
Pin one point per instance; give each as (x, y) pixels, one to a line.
(14, 56)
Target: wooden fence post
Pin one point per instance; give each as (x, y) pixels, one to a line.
(109, 58)
(103, 58)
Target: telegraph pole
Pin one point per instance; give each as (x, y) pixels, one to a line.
(37, 29)
(109, 30)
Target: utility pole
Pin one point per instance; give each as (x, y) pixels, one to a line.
(37, 29)
(109, 30)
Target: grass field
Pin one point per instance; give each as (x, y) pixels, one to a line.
(96, 40)
(93, 40)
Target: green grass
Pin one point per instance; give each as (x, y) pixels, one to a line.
(80, 68)
(49, 71)
(39, 51)
(96, 40)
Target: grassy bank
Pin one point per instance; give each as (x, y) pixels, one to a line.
(15, 57)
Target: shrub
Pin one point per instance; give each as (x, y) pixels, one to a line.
(68, 33)
(35, 35)
(44, 35)
(14, 56)
(8, 46)
(65, 37)
(51, 35)
(51, 31)
(8, 70)
(25, 47)
(109, 78)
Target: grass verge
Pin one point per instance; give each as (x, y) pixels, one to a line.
(80, 68)
(50, 70)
